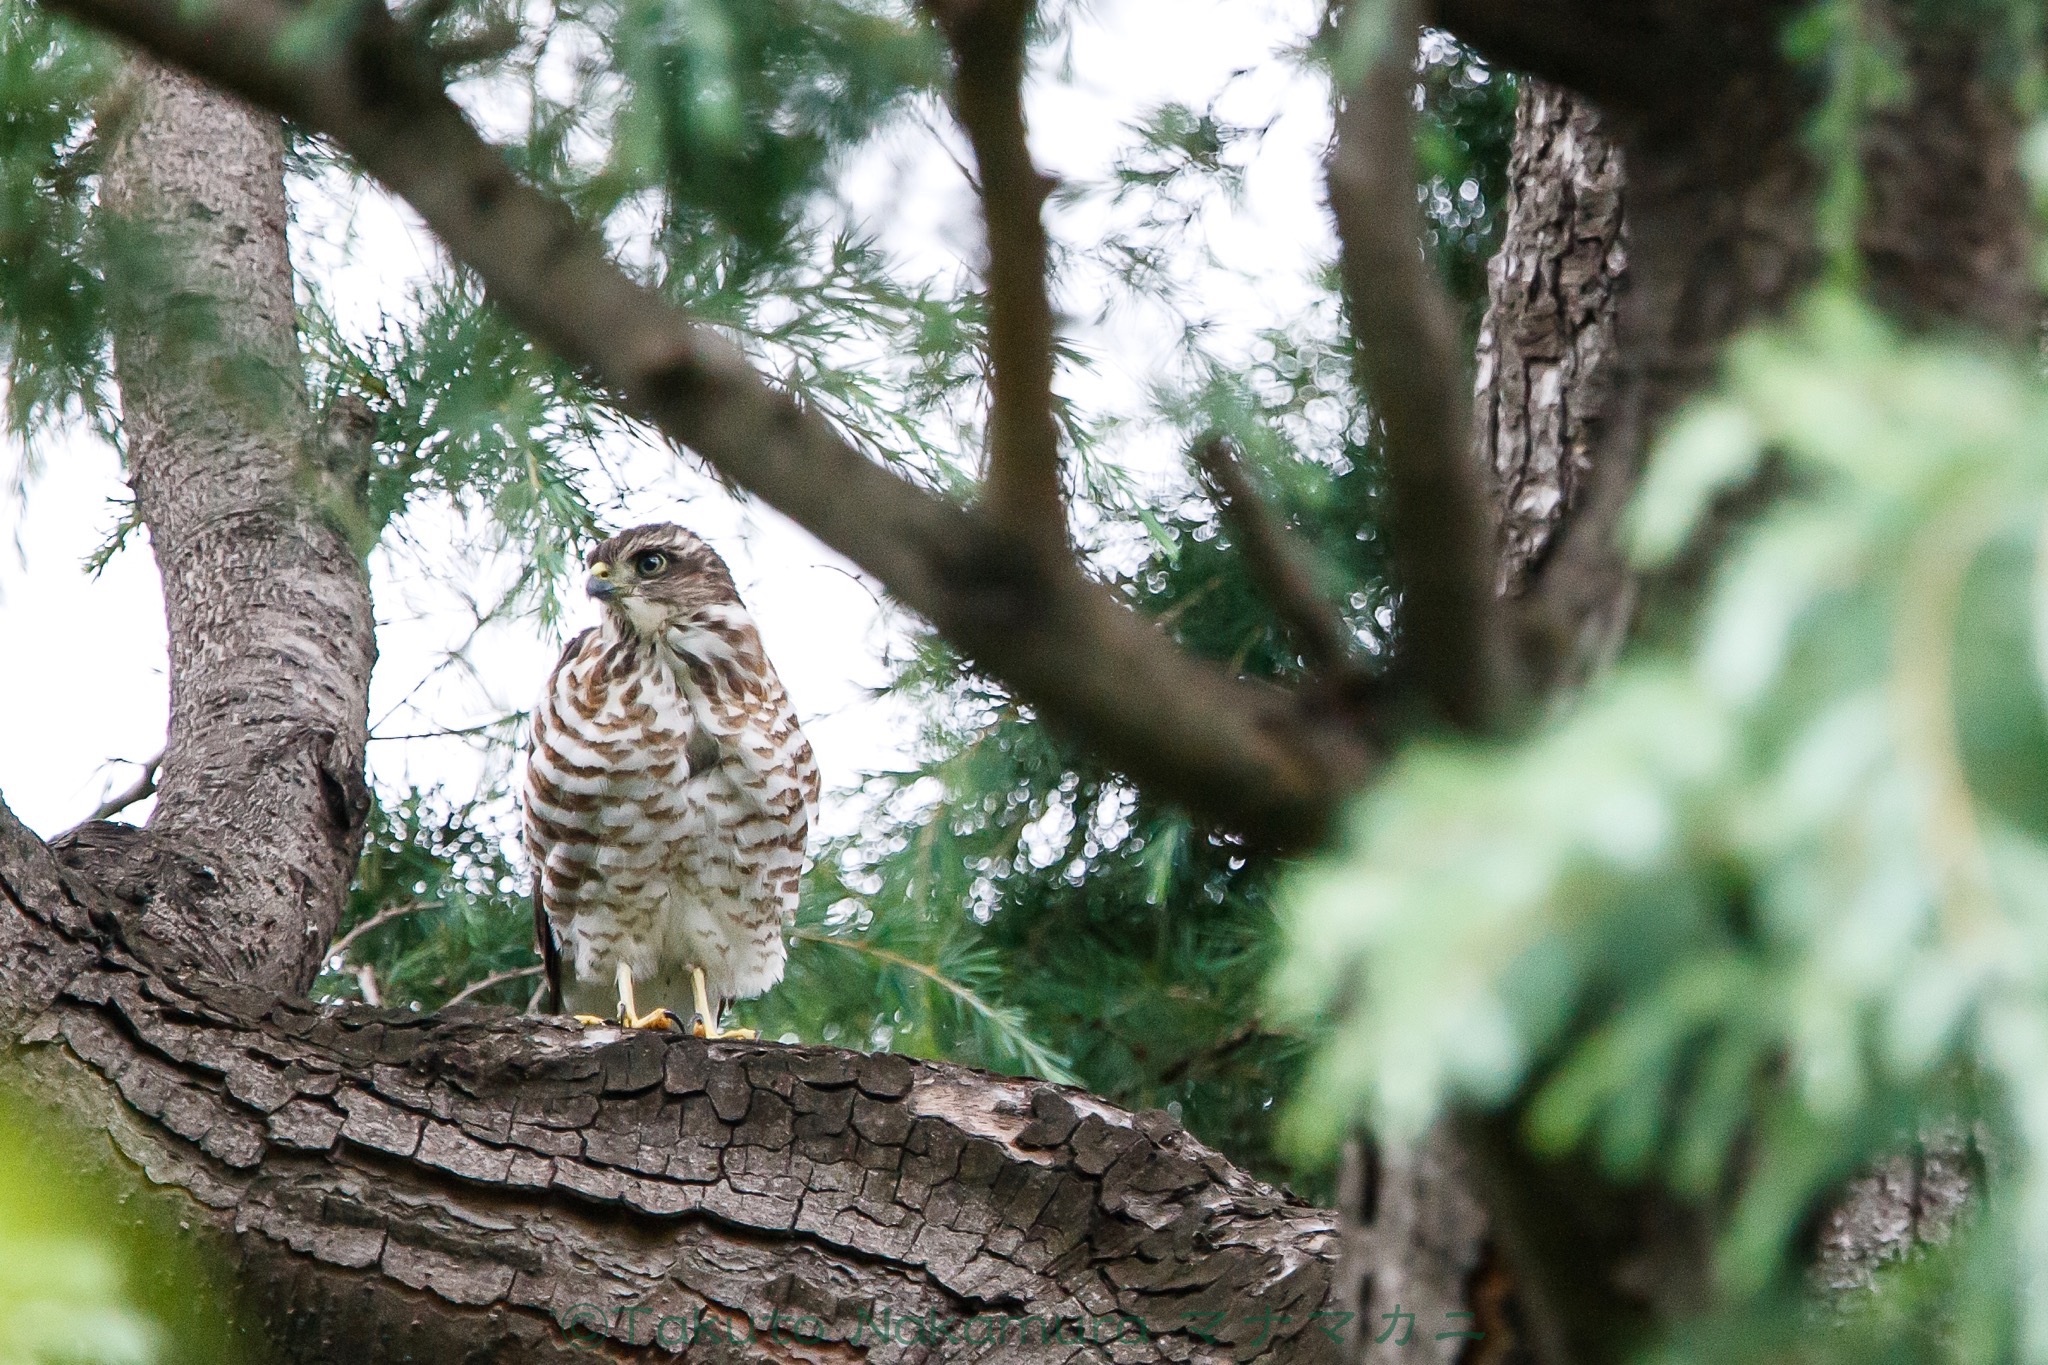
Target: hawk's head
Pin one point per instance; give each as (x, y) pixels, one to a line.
(658, 576)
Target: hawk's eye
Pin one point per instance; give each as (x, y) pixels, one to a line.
(649, 564)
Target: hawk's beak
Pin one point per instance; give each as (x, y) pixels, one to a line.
(599, 584)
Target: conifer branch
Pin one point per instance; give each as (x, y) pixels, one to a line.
(339, 948)
(1023, 483)
(1014, 1036)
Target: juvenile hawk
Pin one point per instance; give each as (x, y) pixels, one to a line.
(668, 794)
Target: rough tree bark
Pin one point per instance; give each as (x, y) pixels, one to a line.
(261, 801)
(1544, 369)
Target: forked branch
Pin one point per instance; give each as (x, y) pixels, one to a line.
(1023, 488)
(1411, 360)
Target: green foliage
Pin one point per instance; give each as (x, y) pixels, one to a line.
(469, 410)
(1762, 903)
(50, 297)
(1461, 145)
(437, 908)
(95, 1270)
(735, 110)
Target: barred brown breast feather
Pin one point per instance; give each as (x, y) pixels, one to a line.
(669, 791)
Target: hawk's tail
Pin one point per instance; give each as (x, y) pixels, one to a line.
(550, 955)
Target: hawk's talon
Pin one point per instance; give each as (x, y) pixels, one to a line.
(712, 1033)
(593, 1021)
(661, 1019)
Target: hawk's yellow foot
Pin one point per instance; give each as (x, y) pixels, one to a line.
(705, 1025)
(630, 1015)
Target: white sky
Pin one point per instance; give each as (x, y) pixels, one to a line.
(74, 646)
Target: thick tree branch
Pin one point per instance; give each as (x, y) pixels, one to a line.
(1246, 756)
(1627, 54)
(1411, 359)
(268, 608)
(1279, 565)
(472, 1186)
(1023, 491)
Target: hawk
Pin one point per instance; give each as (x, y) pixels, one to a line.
(668, 795)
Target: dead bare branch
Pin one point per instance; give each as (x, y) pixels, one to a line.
(1411, 360)
(141, 789)
(495, 978)
(1279, 564)
(1023, 483)
(339, 948)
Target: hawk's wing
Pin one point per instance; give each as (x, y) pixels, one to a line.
(543, 930)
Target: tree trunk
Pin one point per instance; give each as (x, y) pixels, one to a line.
(1413, 1240)
(260, 808)
(1596, 331)
(1547, 345)
(1721, 196)
(478, 1186)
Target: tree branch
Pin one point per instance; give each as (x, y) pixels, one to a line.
(476, 988)
(481, 1186)
(141, 789)
(1019, 1040)
(1629, 55)
(1411, 360)
(1249, 757)
(1023, 489)
(339, 948)
(1279, 565)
